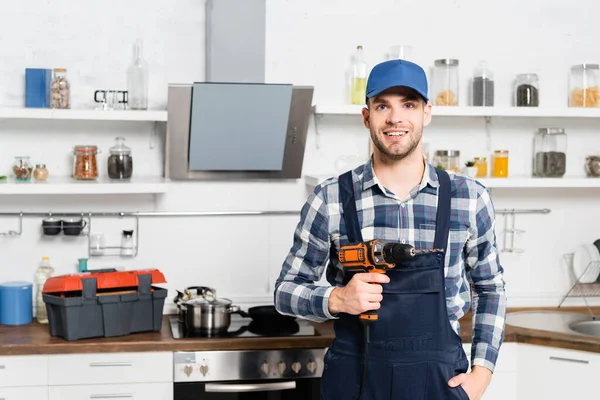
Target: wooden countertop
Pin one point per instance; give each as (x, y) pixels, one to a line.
(34, 338)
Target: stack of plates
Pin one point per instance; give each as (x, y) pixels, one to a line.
(586, 263)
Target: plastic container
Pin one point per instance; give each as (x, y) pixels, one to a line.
(482, 86)
(500, 168)
(550, 153)
(43, 272)
(120, 161)
(85, 164)
(16, 303)
(482, 167)
(583, 86)
(527, 91)
(445, 83)
(60, 90)
(104, 304)
(448, 159)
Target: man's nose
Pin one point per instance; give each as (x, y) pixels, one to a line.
(395, 116)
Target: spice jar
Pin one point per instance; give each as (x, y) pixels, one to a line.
(527, 90)
(500, 169)
(583, 86)
(483, 86)
(22, 168)
(40, 173)
(84, 162)
(482, 167)
(120, 162)
(550, 152)
(60, 89)
(448, 159)
(445, 82)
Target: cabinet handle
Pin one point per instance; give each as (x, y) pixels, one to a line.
(111, 364)
(569, 359)
(111, 396)
(242, 388)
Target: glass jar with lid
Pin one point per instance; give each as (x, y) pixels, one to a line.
(448, 159)
(60, 90)
(445, 82)
(500, 164)
(85, 166)
(22, 168)
(550, 153)
(120, 161)
(482, 167)
(482, 86)
(527, 90)
(583, 86)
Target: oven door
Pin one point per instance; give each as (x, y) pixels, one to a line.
(271, 389)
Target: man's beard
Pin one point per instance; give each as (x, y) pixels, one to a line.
(390, 157)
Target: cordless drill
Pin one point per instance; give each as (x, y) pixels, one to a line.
(376, 256)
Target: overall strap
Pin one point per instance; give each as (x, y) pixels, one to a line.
(349, 208)
(442, 223)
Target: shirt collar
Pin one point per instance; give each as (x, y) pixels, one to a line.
(369, 179)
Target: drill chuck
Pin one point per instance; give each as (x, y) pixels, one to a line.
(395, 253)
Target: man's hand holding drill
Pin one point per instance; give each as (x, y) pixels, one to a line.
(362, 293)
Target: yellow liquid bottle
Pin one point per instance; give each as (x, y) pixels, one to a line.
(359, 78)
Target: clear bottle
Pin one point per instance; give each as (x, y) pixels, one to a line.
(445, 82)
(550, 153)
(43, 272)
(583, 86)
(60, 90)
(482, 86)
(359, 78)
(137, 79)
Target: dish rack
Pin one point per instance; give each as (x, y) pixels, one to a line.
(580, 289)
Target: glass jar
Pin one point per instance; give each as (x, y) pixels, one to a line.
(60, 89)
(22, 168)
(527, 91)
(482, 86)
(448, 159)
(40, 173)
(85, 165)
(500, 169)
(550, 152)
(583, 86)
(445, 83)
(120, 162)
(482, 167)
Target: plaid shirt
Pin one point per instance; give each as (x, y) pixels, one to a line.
(471, 257)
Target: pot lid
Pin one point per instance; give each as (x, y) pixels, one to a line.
(211, 302)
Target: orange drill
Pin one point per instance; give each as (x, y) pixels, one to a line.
(376, 256)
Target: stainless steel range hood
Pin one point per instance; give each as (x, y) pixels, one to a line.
(233, 125)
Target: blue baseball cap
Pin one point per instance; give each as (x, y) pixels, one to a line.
(393, 73)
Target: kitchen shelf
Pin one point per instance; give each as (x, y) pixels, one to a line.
(68, 185)
(515, 182)
(531, 112)
(83, 114)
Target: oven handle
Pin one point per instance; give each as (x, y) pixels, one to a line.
(240, 388)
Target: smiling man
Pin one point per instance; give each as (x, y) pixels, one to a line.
(415, 350)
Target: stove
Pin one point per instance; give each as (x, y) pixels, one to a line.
(243, 328)
(286, 374)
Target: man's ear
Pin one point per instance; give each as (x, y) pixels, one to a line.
(366, 117)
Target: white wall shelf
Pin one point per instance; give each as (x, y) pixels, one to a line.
(68, 185)
(510, 112)
(514, 182)
(83, 114)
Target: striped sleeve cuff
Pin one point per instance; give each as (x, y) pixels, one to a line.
(484, 355)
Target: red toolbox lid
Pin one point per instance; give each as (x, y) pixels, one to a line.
(104, 280)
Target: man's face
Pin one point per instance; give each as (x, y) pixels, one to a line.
(396, 118)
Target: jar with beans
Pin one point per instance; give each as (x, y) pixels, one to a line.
(85, 166)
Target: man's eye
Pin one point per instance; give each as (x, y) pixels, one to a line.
(409, 105)
(381, 106)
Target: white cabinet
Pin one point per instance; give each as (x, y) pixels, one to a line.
(20, 371)
(99, 368)
(139, 391)
(24, 393)
(557, 374)
(504, 380)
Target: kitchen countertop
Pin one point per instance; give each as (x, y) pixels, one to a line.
(34, 338)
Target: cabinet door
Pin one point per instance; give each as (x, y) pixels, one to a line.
(557, 374)
(23, 371)
(504, 380)
(139, 391)
(24, 393)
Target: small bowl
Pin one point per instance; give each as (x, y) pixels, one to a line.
(51, 226)
(73, 227)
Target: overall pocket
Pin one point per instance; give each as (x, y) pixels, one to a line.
(410, 381)
(341, 377)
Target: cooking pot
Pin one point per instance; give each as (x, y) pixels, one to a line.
(205, 312)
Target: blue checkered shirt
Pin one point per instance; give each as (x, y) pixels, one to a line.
(472, 268)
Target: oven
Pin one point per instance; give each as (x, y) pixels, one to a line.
(277, 374)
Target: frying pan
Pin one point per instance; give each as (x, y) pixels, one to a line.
(267, 315)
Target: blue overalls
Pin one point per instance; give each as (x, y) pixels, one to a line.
(413, 350)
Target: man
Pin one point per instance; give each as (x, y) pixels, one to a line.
(415, 350)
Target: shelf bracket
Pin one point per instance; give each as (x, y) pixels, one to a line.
(316, 118)
(488, 134)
